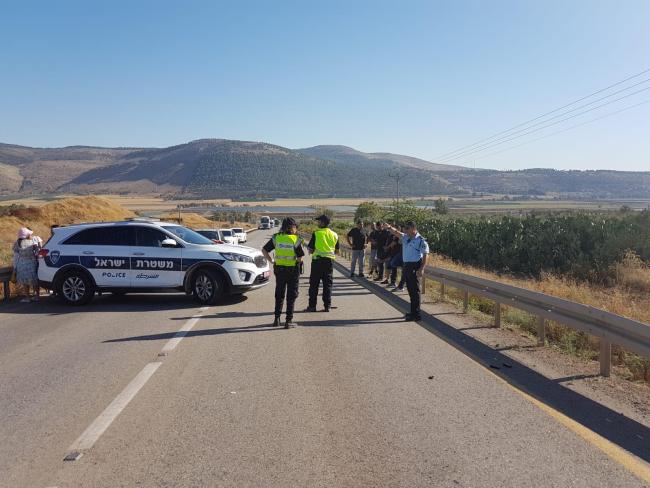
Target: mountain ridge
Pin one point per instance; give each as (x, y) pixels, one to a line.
(227, 168)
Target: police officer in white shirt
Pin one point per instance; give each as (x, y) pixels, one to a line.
(414, 252)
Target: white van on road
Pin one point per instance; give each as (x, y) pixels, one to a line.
(145, 256)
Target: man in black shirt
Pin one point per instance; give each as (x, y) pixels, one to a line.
(372, 237)
(357, 239)
(383, 239)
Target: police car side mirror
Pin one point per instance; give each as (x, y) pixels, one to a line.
(169, 243)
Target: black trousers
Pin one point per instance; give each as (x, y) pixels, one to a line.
(321, 270)
(286, 282)
(410, 271)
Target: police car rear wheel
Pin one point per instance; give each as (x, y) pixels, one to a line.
(207, 287)
(75, 288)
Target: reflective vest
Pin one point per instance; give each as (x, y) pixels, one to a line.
(325, 243)
(285, 249)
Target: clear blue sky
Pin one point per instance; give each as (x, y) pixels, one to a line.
(414, 77)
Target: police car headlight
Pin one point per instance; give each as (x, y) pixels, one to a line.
(241, 258)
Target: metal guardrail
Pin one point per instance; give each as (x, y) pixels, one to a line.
(608, 327)
(5, 277)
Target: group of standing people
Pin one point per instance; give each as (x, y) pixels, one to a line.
(390, 249)
(25, 264)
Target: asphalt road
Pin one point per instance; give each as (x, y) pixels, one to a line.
(354, 397)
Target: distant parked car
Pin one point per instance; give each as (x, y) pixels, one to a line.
(240, 233)
(213, 234)
(276, 222)
(229, 236)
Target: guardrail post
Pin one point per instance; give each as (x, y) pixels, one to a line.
(497, 314)
(541, 331)
(6, 290)
(465, 301)
(442, 291)
(424, 284)
(605, 357)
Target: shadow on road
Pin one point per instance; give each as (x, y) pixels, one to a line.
(350, 322)
(197, 333)
(108, 302)
(227, 315)
(617, 428)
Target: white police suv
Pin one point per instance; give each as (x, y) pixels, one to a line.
(145, 256)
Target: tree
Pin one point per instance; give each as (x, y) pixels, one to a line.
(323, 211)
(440, 207)
(368, 212)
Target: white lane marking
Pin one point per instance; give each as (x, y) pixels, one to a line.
(178, 337)
(101, 423)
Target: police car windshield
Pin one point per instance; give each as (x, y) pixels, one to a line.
(227, 233)
(187, 235)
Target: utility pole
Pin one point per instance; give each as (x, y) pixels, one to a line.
(396, 176)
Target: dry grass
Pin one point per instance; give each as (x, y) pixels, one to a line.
(633, 274)
(621, 300)
(61, 212)
(196, 221)
(628, 298)
(192, 220)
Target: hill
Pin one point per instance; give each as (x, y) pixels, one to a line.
(345, 154)
(220, 168)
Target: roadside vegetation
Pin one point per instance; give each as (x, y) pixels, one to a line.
(598, 259)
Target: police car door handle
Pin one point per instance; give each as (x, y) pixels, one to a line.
(138, 254)
(88, 252)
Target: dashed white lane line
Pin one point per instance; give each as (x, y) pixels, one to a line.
(178, 337)
(98, 427)
(101, 423)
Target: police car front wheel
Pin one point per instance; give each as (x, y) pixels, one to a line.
(75, 288)
(207, 286)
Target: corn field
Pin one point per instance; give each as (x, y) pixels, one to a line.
(583, 245)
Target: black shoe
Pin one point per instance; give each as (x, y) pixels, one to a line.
(412, 318)
(400, 288)
(326, 309)
(276, 322)
(351, 275)
(385, 282)
(392, 284)
(310, 309)
(290, 324)
(362, 276)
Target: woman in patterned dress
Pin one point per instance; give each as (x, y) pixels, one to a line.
(25, 251)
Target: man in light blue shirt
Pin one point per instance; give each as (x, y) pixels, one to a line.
(414, 252)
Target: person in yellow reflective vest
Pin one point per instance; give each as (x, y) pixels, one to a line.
(323, 246)
(287, 264)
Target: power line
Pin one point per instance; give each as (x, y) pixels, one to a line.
(610, 114)
(490, 144)
(542, 116)
(478, 150)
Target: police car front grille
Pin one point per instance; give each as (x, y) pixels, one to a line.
(260, 261)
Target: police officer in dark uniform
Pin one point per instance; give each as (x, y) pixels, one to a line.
(323, 246)
(287, 266)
